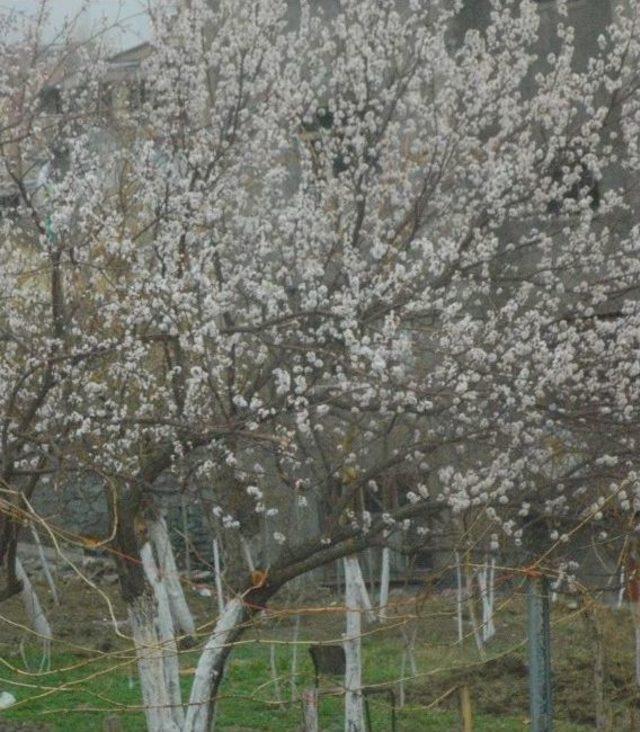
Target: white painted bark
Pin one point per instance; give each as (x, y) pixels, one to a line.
(217, 576)
(166, 634)
(459, 598)
(198, 717)
(637, 630)
(622, 588)
(354, 706)
(158, 711)
(185, 534)
(485, 582)
(472, 614)
(410, 635)
(246, 550)
(364, 599)
(403, 668)
(45, 564)
(385, 578)
(274, 672)
(294, 656)
(182, 618)
(35, 613)
(310, 711)
(492, 595)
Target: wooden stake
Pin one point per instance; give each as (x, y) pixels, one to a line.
(466, 710)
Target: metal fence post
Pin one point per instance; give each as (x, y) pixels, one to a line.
(539, 637)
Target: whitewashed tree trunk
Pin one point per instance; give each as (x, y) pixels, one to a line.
(274, 672)
(354, 705)
(294, 656)
(622, 588)
(198, 717)
(35, 613)
(385, 578)
(246, 550)
(637, 655)
(166, 633)
(180, 613)
(45, 564)
(217, 576)
(410, 636)
(403, 668)
(185, 534)
(492, 596)
(472, 614)
(636, 618)
(485, 583)
(459, 599)
(364, 599)
(143, 615)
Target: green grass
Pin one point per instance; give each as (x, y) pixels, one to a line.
(96, 684)
(247, 696)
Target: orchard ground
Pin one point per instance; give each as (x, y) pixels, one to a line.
(92, 676)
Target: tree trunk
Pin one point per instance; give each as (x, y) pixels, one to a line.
(602, 721)
(274, 672)
(485, 582)
(182, 617)
(403, 669)
(166, 633)
(185, 533)
(492, 596)
(211, 665)
(621, 589)
(246, 550)
(472, 613)
(157, 701)
(459, 600)
(217, 576)
(310, 711)
(354, 707)
(45, 565)
(363, 594)
(35, 613)
(294, 656)
(385, 576)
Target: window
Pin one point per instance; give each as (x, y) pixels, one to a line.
(9, 203)
(105, 99)
(50, 100)
(574, 181)
(136, 94)
(323, 127)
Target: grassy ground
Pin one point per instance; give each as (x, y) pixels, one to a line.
(92, 675)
